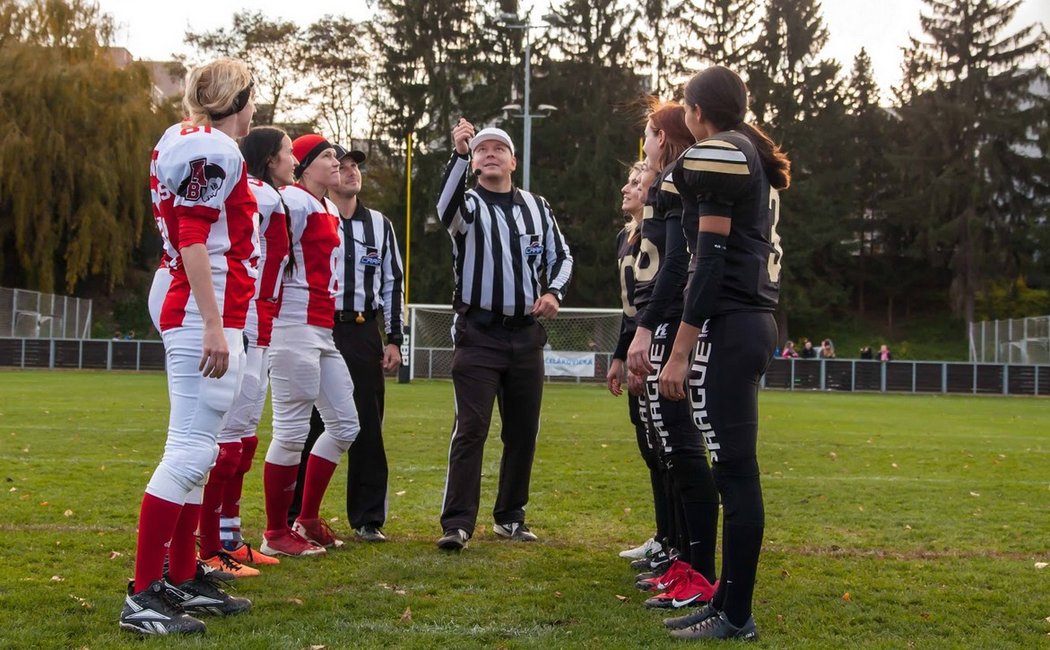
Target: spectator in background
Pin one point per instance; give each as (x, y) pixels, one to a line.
(808, 351)
(827, 349)
(865, 353)
(789, 351)
(117, 336)
(884, 353)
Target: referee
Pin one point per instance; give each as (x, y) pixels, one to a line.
(372, 275)
(503, 240)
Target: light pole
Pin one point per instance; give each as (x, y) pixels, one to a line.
(511, 21)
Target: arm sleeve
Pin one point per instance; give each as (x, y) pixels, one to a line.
(627, 329)
(393, 286)
(673, 270)
(203, 177)
(706, 283)
(273, 244)
(558, 256)
(451, 206)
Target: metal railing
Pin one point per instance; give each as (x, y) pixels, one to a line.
(81, 353)
(31, 314)
(1014, 340)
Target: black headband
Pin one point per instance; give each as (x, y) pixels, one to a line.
(311, 156)
(239, 102)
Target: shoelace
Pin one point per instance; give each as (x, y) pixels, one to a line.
(300, 539)
(227, 561)
(326, 530)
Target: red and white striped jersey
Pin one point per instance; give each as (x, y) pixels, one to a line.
(273, 257)
(202, 197)
(309, 295)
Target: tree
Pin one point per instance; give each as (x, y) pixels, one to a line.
(724, 32)
(273, 50)
(972, 158)
(75, 136)
(333, 58)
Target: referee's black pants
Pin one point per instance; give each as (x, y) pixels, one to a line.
(366, 468)
(493, 362)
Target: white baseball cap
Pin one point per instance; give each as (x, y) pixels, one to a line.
(492, 133)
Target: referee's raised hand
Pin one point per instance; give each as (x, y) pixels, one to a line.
(461, 135)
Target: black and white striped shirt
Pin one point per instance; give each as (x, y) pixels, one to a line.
(372, 273)
(500, 249)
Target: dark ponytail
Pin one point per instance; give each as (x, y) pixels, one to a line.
(722, 97)
(259, 147)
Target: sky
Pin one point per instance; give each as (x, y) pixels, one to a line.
(882, 27)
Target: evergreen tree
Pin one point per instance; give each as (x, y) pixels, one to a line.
(975, 173)
(723, 32)
(75, 138)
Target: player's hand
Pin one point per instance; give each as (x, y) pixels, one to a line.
(638, 354)
(215, 356)
(461, 135)
(614, 376)
(546, 306)
(672, 378)
(635, 384)
(391, 357)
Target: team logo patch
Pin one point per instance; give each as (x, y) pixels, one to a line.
(534, 248)
(371, 257)
(204, 181)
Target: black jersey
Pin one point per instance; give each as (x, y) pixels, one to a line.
(663, 259)
(627, 245)
(723, 176)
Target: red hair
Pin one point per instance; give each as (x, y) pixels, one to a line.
(669, 117)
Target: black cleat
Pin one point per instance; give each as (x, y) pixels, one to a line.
(370, 534)
(658, 562)
(718, 627)
(454, 539)
(699, 616)
(153, 611)
(202, 595)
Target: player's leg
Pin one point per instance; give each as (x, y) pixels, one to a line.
(295, 376)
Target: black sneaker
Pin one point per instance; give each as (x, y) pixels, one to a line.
(202, 595)
(454, 539)
(699, 616)
(658, 562)
(370, 534)
(516, 530)
(719, 627)
(153, 611)
(201, 566)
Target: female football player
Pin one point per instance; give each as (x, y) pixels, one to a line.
(268, 154)
(197, 172)
(305, 366)
(660, 274)
(729, 180)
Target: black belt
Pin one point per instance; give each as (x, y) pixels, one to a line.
(487, 318)
(350, 316)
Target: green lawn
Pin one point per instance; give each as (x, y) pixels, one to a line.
(892, 522)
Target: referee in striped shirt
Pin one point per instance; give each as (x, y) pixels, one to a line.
(512, 266)
(372, 277)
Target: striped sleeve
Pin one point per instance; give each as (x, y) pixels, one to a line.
(393, 285)
(713, 173)
(450, 204)
(558, 256)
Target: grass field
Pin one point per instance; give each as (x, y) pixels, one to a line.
(892, 521)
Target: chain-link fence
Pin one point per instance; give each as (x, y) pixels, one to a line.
(35, 315)
(585, 337)
(1016, 340)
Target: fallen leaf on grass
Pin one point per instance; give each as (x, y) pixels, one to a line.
(894, 465)
(68, 513)
(926, 615)
(907, 527)
(605, 446)
(14, 489)
(318, 647)
(406, 617)
(833, 456)
(400, 493)
(1041, 565)
(1048, 619)
(295, 601)
(57, 579)
(975, 494)
(557, 594)
(114, 554)
(622, 599)
(44, 504)
(846, 597)
(784, 573)
(84, 602)
(780, 618)
(626, 511)
(400, 592)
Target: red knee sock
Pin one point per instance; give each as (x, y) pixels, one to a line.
(231, 498)
(182, 554)
(157, 519)
(226, 464)
(279, 487)
(319, 473)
